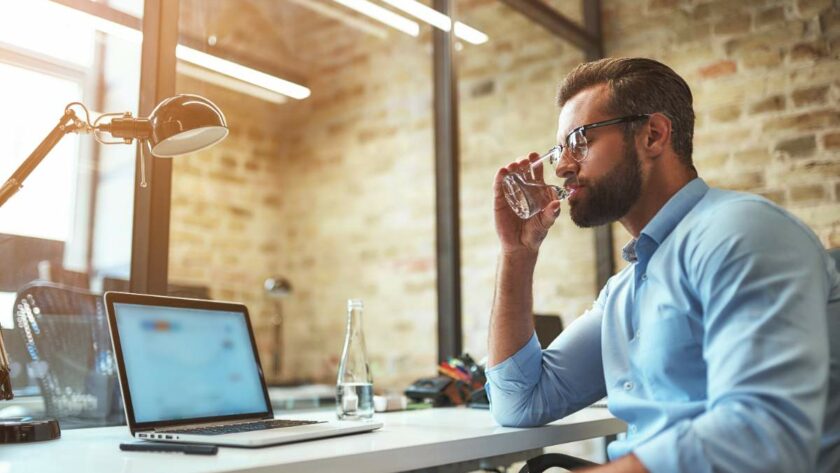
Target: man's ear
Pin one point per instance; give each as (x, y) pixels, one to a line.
(658, 136)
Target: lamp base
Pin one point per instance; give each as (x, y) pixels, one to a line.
(28, 429)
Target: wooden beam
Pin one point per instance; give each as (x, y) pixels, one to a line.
(557, 24)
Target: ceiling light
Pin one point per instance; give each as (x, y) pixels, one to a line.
(347, 18)
(469, 34)
(422, 12)
(241, 72)
(438, 20)
(385, 16)
(193, 56)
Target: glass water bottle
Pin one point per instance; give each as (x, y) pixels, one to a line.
(354, 388)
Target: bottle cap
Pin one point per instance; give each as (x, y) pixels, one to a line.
(355, 304)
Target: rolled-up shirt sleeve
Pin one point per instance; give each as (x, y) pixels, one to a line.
(535, 386)
(765, 347)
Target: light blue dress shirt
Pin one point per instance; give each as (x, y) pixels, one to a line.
(711, 345)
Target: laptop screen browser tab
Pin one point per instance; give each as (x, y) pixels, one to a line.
(188, 363)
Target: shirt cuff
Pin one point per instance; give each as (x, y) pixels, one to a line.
(521, 369)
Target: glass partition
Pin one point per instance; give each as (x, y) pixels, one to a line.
(67, 233)
(331, 192)
(507, 97)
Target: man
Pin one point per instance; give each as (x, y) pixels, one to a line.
(712, 343)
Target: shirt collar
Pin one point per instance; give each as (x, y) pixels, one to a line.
(667, 218)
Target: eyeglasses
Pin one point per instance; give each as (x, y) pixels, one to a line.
(576, 140)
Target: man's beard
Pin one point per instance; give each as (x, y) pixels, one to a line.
(612, 196)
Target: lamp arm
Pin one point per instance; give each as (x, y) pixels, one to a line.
(15, 182)
(9, 188)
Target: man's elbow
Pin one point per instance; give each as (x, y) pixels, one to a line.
(507, 416)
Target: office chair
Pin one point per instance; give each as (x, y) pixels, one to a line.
(65, 332)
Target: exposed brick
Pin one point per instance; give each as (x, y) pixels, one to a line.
(810, 96)
(807, 192)
(483, 88)
(777, 196)
(809, 51)
(831, 141)
(834, 238)
(763, 58)
(830, 21)
(654, 5)
(771, 39)
(770, 104)
(770, 16)
(720, 8)
(718, 69)
(737, 24)
(804, 121)
(752, 157)
(743, 181)
(726, 114)
(808, 8)
(801, 147)
(711, 161)
(694, 32)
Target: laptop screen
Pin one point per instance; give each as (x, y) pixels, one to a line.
(186, 363)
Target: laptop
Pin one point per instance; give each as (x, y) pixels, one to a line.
(189, 372)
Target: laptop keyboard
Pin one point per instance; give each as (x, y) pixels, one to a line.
(244, 427)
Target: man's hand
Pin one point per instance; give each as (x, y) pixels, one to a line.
(517, 235)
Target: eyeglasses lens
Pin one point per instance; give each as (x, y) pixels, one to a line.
(578, 146)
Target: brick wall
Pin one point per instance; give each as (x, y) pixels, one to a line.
(337, 193)
(765, 81)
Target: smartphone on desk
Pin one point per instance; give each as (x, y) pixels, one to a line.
(187, 448)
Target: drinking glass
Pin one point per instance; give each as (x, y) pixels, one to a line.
(528, 195)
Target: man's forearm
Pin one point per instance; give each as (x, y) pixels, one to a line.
(511, 321)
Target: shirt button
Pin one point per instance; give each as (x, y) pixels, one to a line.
(644, 277)
(632, 428)
(628, 386)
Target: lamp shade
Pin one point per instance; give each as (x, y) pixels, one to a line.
(185, 123)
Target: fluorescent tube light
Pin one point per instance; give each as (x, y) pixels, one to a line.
(241, 72)
(439, 20)
(222, 80)
(469, 34)
(236, 71)
(422, 12)
(385, 16)
(346, 18)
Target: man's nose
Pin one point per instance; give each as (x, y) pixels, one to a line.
(567, 166)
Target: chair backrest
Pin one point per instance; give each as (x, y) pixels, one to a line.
(830, 451)
(65, 331)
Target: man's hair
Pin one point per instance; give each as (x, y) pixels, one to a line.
(639, 85)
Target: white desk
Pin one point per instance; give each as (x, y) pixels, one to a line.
(409, 440)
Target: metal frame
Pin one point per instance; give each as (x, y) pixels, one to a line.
(150, 235)
(589, 39)
(446, 191)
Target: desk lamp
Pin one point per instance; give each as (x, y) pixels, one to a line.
(178, 125)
